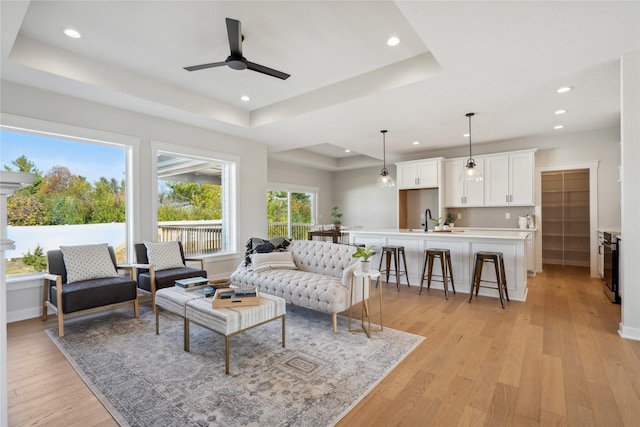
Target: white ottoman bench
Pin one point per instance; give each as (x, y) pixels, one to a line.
(175, 301)
(232, 321)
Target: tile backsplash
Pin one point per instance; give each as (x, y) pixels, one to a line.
(490, 217)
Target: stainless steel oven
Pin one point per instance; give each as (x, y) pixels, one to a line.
(611, 271)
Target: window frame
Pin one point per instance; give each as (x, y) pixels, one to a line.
(71, 133)
(229, 191)
(292, 188)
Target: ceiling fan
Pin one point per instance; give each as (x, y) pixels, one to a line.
(236, 61)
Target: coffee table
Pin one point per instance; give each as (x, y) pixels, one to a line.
(231, 321)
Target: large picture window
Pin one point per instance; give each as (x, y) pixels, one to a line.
(291, 213)
(79, 195)
(195, 199)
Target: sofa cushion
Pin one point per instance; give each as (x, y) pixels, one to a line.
(167, 278)
(85, 262)
(164, 255)
(302, 288)
(273, 260)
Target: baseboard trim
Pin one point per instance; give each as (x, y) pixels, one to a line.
(629, 333)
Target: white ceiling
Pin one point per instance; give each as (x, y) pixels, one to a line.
(501, 60)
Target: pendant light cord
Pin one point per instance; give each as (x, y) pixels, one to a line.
(470, 115)
(384, 150)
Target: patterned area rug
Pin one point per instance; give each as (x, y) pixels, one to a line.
(146, 379)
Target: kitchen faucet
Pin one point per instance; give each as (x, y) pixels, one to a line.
(427, 217)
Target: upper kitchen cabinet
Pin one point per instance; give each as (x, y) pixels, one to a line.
(509, 178)
(419, 173)
(458, 191)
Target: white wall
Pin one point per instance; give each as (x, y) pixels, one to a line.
(252, 169)
(630, 77)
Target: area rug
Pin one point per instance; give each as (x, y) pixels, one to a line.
(145, 379)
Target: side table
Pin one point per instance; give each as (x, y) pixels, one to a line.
(364, 279)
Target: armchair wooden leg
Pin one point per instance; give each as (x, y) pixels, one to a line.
(335, 323)
(60, 323)
(45, 297)
(136, 308)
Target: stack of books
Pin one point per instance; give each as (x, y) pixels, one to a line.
(192, 283)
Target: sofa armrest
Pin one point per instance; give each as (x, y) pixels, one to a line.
(347, 274)
(129, 267)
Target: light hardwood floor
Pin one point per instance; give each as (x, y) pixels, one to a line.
(554, 360)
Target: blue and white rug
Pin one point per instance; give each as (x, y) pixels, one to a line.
(145, 379)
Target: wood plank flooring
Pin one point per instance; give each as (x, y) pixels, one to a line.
(554, 360)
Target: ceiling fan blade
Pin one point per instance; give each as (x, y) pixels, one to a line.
(234, 31)
(204, 66)
(266, 70)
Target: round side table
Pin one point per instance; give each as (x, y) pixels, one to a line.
(361, 286)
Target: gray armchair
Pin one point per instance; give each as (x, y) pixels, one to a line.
(63, 297)
(150, 280)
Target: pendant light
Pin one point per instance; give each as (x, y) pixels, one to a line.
(384, 180)
(471, 172)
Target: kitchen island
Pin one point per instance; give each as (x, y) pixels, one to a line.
(462, 245)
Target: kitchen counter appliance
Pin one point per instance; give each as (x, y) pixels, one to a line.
(611, 277)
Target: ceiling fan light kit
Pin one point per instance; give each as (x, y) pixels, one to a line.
(235, 60)
(384, 180)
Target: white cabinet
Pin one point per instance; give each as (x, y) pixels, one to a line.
(509, 179)
(458, 191)
(530, 251)
(419, 174)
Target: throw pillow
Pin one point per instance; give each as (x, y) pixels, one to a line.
(272, 261)
(85, 262)
(261, 246)
(164, 255)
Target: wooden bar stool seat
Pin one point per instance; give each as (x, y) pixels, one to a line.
(390, 253)
(501, 279)
(445, 267)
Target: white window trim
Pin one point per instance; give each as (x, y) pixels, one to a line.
(231, 195)
(85, 135)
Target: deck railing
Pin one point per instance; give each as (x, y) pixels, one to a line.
(197, 237)
(281, 229)
(206, 237)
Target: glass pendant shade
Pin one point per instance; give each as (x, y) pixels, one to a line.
(384, 180)
(471, 172)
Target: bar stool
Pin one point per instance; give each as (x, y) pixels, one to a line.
(394, 252)
(445, 267)
(501, 279)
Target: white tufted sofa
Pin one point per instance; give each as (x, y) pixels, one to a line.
(321, 282)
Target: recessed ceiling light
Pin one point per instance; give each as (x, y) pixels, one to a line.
(416, 142)
(347, 151)
(393, 41)
(560, 112)
(558, 127)
(70, 32)
(245, 98)
(466, 135)
(564, 89)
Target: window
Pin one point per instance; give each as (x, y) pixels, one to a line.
(290, 213)
(80, 194)
(195, 199)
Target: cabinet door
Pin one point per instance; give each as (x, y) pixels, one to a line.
(521, 179)
(407, 175)
(428, 174)
(496, 180)
(474, 190)
(453, 185)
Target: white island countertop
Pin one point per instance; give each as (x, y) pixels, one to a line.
(454, 233)
(463, 244)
